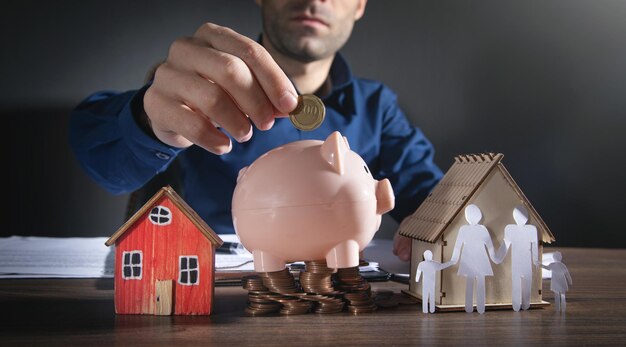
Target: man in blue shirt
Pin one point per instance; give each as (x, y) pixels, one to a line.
(218, 85)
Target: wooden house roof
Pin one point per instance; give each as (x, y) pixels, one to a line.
(204, 228)
(454, 191)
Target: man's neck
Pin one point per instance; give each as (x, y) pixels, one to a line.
(309, 78)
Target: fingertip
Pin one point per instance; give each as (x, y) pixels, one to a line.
(247, 136)
(228, 148)
(267, 125)
(223, 149)
(287, 102)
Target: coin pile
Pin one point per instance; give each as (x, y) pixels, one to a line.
(281, 282)
(319, 291)
(265, 294)
(293, 305)
(309, 113)
(358, 290)
(317, 280)
(259, 302)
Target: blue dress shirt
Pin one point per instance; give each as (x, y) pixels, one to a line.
(121, 157)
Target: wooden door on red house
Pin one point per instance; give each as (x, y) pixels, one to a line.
(164, 297)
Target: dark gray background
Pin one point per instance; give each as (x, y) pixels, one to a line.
(541, 81)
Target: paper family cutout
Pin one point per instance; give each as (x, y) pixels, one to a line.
(559, 280)
(475, 263)
(429, 268)
(522, 239)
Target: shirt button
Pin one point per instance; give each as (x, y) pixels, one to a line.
(163, 156)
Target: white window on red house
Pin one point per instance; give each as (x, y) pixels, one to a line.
(132, 263)
(160, 215)
(189, 271)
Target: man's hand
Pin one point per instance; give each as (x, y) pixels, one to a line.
(216, 78)
(402, 247)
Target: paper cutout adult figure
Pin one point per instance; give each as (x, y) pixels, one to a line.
(469, 249)
(522, 239)
(559, 280)
(429, 268)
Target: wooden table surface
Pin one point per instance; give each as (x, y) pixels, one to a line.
(80, 312)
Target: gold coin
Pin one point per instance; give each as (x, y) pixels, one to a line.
(309, 114)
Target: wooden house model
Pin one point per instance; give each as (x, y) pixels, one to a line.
(472, 179)
(164, 259)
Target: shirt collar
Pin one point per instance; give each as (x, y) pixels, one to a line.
(340, 74)
(341, 96)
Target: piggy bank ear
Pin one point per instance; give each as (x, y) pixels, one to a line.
(241, 172)
(334, 151)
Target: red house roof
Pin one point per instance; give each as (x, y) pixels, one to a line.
(204, 228)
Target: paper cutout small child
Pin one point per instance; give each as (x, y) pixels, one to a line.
(559, 280)
(429, 268)
(522, 238)
(469, 248)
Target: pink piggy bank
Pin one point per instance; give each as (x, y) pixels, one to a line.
(308, 200)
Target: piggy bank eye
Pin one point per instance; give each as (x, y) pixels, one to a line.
(366, 170)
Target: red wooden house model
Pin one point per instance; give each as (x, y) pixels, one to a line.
(164, 259)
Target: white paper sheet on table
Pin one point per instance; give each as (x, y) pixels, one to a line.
(241, 261)
(33, 257)
(80, 257)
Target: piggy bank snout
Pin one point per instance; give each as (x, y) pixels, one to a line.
(385, 200)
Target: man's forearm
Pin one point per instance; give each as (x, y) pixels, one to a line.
(112, 145)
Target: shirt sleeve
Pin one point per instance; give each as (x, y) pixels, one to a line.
(109, 144)
(406, 159)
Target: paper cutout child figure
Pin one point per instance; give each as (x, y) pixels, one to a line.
(522, 238)
(559, 280)
(429, 268)
(470, 249)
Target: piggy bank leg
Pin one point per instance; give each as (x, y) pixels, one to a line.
(266, 262)
(345, 254)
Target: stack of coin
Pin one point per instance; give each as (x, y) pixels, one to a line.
(309, 113)
(259, 302)
(264, 294)
(281, 282)
(271, 292)
(323, 303)
(360, 302)
(253, 283)
(317, 281)
(358, 291)
(260, 305)
(327, 304)
(350, 280)
(317, 278)
(318, 266)
(293, 305)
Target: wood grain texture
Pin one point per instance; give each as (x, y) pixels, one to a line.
(164, 298)
(162, 247)
(80, 312)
